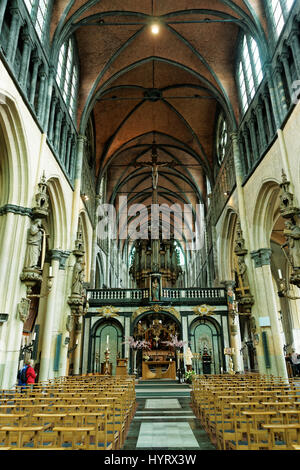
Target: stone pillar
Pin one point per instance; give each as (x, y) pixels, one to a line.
(268, 111)
(3, 5)
(293, 41)
(51, 119)
(127, 334)
(36, 64)
(261, 127)
(247, 147)
(185, 335)
(41, 97)
(27, 48)
(273, 96)
(255, 149)
(98, 199)
(281, 94)
(77, 352)
(14, 32)
(77, 184)
(267, 308)
(234, 327)
(48, 96)
(57, 128)
(46, 358)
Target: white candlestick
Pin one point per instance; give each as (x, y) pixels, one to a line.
(50, 271)
(107, 340)
(279, 274)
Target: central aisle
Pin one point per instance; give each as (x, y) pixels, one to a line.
(164, 419)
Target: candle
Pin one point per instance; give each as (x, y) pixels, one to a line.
(50, 271)
(107, 340)
(279, 274)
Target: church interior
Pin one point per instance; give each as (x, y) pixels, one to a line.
(150, 225)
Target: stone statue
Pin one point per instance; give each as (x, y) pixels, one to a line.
(34, 244)
(155, 289)
(23, 309)
(292, 232)
(78, 277)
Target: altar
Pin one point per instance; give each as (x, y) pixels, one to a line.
(158, 370)
(159, 364)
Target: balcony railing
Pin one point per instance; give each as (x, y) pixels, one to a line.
(169, 295)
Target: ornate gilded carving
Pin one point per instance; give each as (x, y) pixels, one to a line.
(202, 310)
(157, 309)
(108, 311)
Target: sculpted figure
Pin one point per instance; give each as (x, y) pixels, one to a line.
(34, 244)
(292, 232)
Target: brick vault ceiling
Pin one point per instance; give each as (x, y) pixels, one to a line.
(171, 86)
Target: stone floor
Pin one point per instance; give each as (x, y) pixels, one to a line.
(164, 420)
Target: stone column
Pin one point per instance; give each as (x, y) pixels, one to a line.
(185, 336)
(261, 127)
(14, 32)
(293, 41)
(48, 96)
(268, 111)
(3, 5)
(77, 184)
(234, 327)
(41, 97)
(77, 352)
(98, 199)
(36, 64)
(281, 94)
(255, 149)
(46, 358)
(247, 146)
(267, 308)
(273, 95)
(27, 48)
(127, 334)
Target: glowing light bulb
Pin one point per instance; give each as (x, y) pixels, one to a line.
(155, 29)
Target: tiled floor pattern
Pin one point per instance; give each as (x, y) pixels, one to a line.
(164, 423)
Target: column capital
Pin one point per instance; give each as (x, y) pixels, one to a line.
(230, 284)
(261, 257)
(59, 255)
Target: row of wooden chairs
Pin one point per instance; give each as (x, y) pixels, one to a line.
(88, 412)
(254, 412)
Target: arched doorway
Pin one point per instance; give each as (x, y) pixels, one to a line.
(107, 333)
(157, 328)
(206, 340)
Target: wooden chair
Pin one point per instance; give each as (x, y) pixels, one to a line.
(282, 436)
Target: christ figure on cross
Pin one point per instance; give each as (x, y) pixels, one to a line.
(154, 164)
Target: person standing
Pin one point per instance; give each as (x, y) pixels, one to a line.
(295, 357)
(30, 373)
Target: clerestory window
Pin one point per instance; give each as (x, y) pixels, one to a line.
(250, 72)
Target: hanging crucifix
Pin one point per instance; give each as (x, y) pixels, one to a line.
(154, 164)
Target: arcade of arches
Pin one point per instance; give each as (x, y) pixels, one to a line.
(150, 190)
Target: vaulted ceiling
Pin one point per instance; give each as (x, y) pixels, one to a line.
(168, 87)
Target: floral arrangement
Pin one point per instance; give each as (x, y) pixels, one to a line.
(137, 344)
(178, 344)
(189, 376)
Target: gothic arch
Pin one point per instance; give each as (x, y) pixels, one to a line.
(265, 214)
(58, 222)
(15, 173)
(226, 245)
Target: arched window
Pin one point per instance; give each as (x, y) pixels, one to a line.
(38, 12)
(221, 138)
(249, 70)
(67, 74)
(279, 12)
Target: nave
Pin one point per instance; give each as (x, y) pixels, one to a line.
(94, 412)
